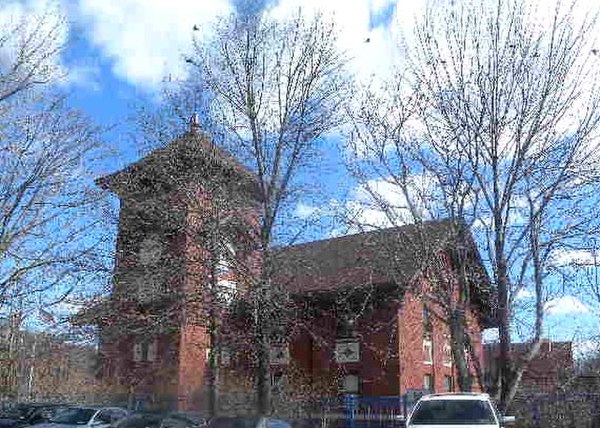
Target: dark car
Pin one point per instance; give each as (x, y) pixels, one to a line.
(28, 414)
(84, 416)
(246, 422)
(161, 420)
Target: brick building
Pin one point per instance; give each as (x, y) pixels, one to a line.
(545, 373)
(355, 323)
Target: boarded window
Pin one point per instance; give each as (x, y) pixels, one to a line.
(350, 384)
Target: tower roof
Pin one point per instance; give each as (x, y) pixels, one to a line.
(191, 155)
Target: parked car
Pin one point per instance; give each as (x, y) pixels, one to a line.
(246, 422)
(96, 417)
(462, 410)
(24, 414)
(161, 420)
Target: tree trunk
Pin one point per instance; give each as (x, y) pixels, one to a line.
(457, 331)
(506, 369)
(263, 375)
(263, 316)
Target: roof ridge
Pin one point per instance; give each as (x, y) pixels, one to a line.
(363, 233)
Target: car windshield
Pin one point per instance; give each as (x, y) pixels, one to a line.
(73, 416)
(455, 412)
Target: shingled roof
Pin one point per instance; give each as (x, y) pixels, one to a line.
(193, 152)
(393, 256)
(362, 258)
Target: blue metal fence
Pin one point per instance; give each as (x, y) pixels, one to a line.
(353, 411)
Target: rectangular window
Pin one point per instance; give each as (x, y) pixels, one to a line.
(428, 383)
(346, 328)
(427, 351)
(427, 322)
(145, 350)
(225, 359)
(448, 384)
(137, 351)
(350, 384)
(459, 413)
(279, 382)
(152, 351)
(447, 354)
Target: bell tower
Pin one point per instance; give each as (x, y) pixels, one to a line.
(187, 211)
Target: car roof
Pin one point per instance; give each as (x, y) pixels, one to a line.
(456, 396)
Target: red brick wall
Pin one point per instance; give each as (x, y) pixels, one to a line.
(378, 366)
(192, 368)
(410, 344)
(544, 373)
(411, 355)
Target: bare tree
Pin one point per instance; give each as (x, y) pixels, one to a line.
(499, 127)
(46, 242)
(399, 185)
(277, 86)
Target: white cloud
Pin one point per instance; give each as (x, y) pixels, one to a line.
(145, 39)
(382, 203)
(564, 257)
(85, 76)
(304, 210)
(524, 294)
(373, 50)
(565, 305)
(583, 349)
(67, 308)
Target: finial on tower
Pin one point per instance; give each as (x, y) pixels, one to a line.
(194, 123)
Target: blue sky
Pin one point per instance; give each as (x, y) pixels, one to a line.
(119, 51)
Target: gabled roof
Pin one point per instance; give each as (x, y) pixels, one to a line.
(362, 258)
(393, 256)
(192, 153)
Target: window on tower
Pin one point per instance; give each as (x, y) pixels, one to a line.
(145, 350)
(224, 271)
